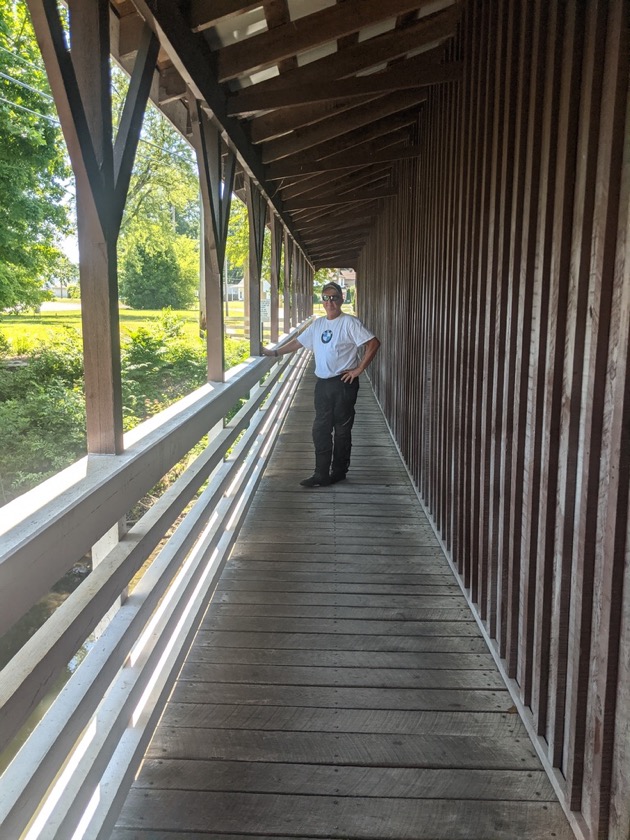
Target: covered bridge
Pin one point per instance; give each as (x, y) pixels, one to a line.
(471, 160)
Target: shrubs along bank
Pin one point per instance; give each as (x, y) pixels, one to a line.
(42, 407)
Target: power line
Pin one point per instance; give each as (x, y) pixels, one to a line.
(28, 87)
(21, 58)
(56, 122)
(30, 111)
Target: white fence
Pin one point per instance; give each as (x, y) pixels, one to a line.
(70, 778)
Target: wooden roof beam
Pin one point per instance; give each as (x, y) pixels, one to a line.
(341, 220)
(192, 59)
(372, 52)
(407, 74)
(348, 161)
(363, 180)
(330, 129)
(392, 127)
(348, 198)
(264, 50)
(276, 123)
(320, 246)
(203, 14)
(323, 182)
(347, 260)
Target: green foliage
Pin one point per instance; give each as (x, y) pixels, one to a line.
(42, 408)
(323, 276)
(42, 415)
(33, 165)
(237, 246)
(151, 276)
(160, 364)
(40, 433)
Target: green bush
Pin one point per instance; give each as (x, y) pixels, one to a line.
(42, 407)
(151, 276)
(41, 432)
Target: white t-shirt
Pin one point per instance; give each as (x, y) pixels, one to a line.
(335, 343)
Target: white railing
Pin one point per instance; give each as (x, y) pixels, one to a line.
(71, 776)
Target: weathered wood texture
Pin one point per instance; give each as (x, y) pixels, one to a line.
(499, 284)
(339, 686)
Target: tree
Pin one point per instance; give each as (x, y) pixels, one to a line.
(34, 168)
(159, 238)
(151, 276)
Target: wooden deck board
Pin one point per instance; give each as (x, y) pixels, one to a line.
(338, 686)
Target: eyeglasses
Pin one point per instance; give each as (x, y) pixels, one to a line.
(331, 297)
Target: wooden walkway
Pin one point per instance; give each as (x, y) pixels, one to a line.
(339, 686)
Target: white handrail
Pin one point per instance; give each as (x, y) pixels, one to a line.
(102, 696)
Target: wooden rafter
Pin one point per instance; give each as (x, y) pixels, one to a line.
(206, 13)
(193, 60)
(277, 14)
(406, 74)
(390, 142)
(319, 183)
(370, 53)
(339, 220)
(389, 126)
(355, 162)
(343, 160)
(341, 186)
(348, 198)
(260, 51)
(330, 129)
(276, 123)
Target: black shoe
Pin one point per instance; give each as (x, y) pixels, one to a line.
(337, 476)
(316, 480)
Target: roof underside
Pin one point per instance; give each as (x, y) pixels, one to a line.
(318, 98)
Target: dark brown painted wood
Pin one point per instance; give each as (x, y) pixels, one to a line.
(519, 227)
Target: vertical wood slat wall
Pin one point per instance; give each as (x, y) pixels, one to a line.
(499, 284)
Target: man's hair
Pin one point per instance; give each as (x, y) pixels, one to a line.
(333, 285)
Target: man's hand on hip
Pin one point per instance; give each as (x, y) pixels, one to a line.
(349, 376)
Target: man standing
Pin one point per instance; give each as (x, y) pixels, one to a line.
(335, 341)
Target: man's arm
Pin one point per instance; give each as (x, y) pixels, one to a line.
(289, 347)
(371, 349)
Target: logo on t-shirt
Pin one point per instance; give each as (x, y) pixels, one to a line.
(326, 336)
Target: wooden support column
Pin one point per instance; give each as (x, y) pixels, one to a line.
(276, 259)
(295, 286)
(216, 195)
(80, 81)
(257, 213)
(309, 289)
(288, 262)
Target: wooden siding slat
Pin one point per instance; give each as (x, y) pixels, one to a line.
(511, 409)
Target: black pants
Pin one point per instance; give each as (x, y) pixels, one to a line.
(332, 428)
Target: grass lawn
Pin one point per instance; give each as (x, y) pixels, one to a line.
(28, 328)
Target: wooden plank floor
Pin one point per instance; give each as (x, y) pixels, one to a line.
(338, 686)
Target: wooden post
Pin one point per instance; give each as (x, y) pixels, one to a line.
(216, 195)
(276, 259)
(295, 285)
(288, 259)
(257, 213)
(80, 81)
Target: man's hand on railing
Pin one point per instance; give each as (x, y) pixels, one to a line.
(289, 347)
